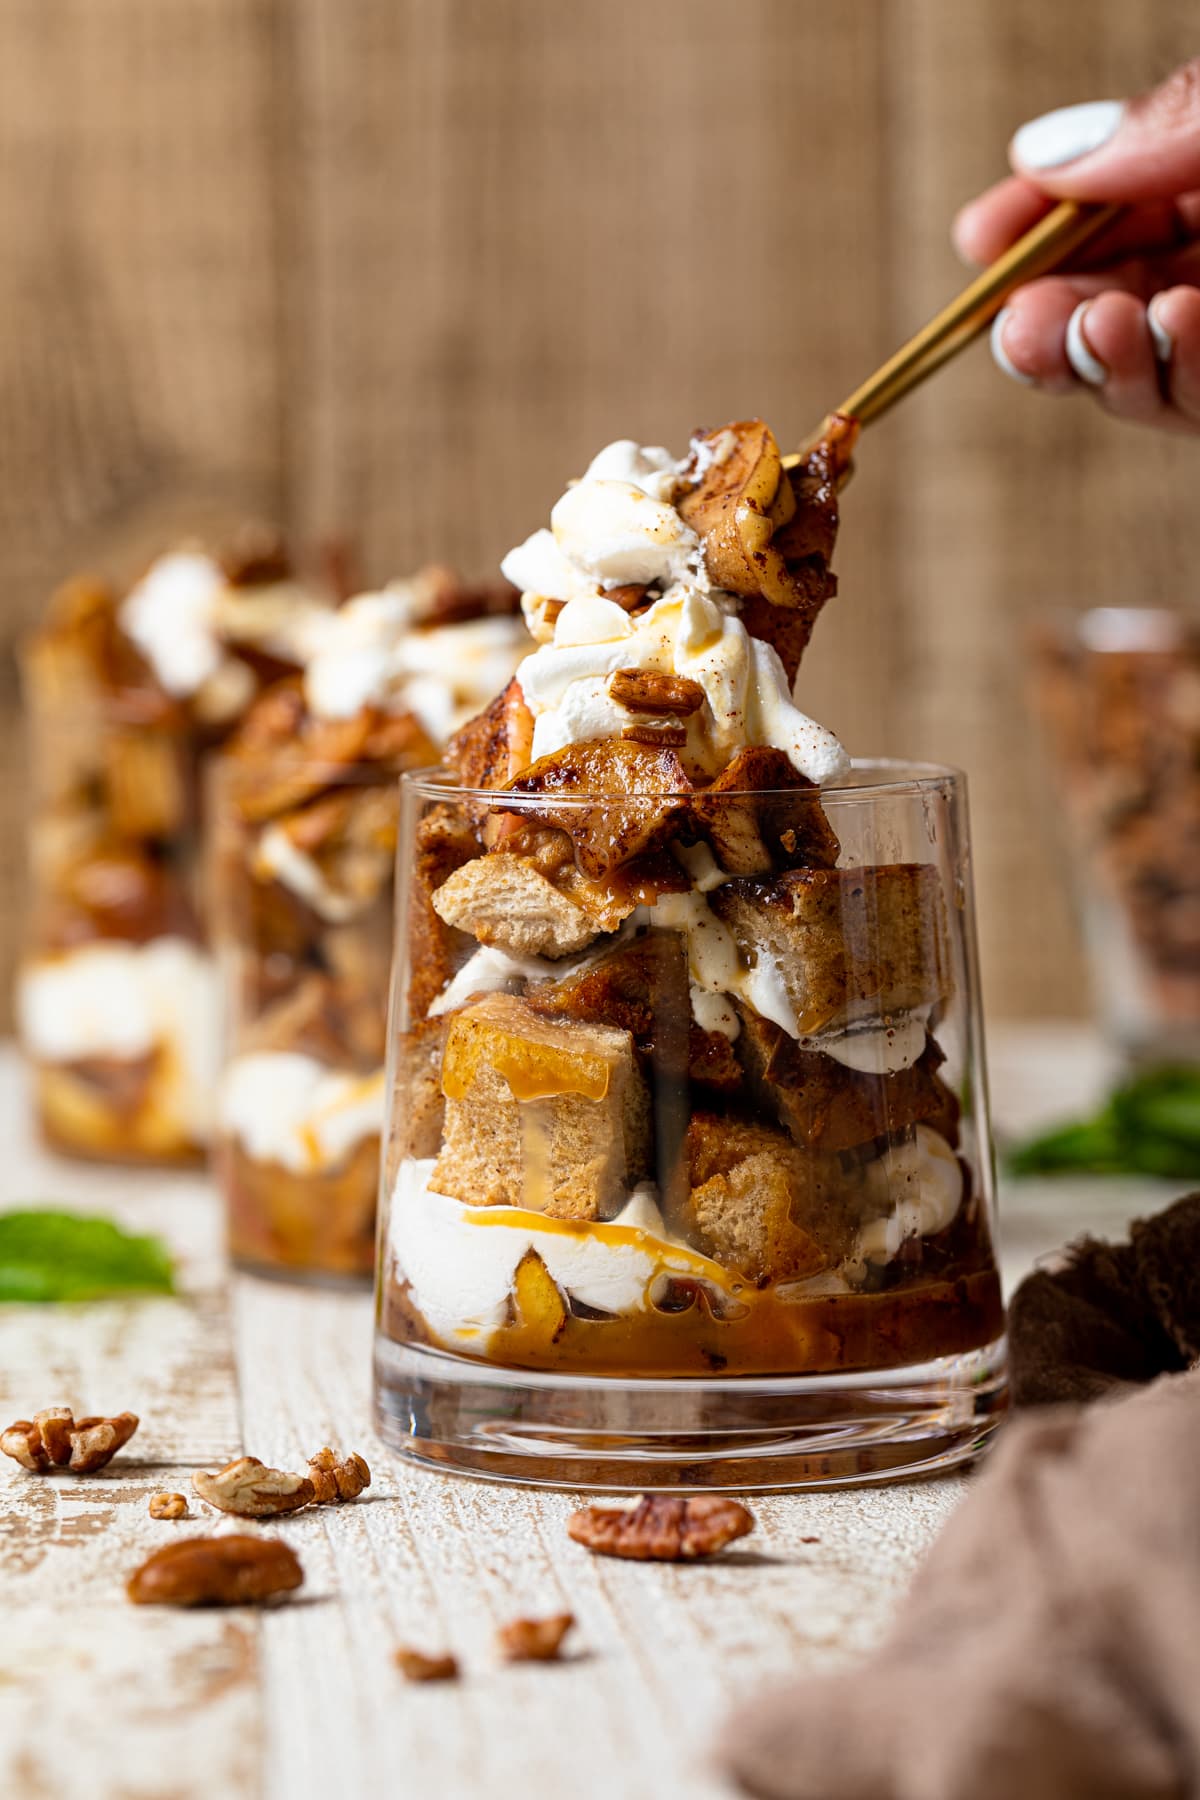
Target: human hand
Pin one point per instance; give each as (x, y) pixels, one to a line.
(1126, 322)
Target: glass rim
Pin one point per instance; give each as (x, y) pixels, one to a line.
(899, 778)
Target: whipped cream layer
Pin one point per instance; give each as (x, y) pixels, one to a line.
(615, 527)
(184, 615)
(126, 1002)
(460, 1261)
(374, 651)
(287, 1108)
(920, 1182)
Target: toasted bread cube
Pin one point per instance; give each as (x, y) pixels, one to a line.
(849, 943)
(757, 1203)
(542, 1114)
(746, 1183)
(505, 900)
(829, 1107)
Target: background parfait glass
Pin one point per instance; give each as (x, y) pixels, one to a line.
(300, 881)
(1117, 692)
(687, 1175)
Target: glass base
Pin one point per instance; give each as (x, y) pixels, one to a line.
(476, 1418)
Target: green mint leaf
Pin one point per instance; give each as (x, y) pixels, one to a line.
(48, 1255)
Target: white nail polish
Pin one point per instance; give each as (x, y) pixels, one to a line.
(1080, 355)
(1062, 136)
(1161, 338)
(1000, 353)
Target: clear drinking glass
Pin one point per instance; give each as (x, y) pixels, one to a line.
(301, 860)
(687, 1175)
(1118, 694)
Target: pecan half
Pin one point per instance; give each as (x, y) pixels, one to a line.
(658, 1528)
(673, 737)
(247, 1487)
(534, 1640)
(238, 1570)
(55, 1437)
(646, 691)
(414, 1665)
(168, 1506)
(335, 1480)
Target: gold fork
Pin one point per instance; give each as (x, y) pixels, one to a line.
(1046, 246)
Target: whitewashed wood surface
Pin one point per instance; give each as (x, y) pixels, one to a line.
(104, 1701)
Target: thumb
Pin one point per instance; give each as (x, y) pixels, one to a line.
(1125, 150)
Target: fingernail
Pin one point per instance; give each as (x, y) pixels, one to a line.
(1066, 134)
(1080, 355)
(1001, 354)
(1161, 338)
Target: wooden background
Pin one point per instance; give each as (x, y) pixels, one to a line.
(402, 265)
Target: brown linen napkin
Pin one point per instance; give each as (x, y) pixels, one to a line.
(1050, 1647)
(1048, 1650)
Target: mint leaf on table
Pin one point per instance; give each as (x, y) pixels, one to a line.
(1149, 1126)
(50, 1255)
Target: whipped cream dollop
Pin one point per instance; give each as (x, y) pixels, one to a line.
(460, 1261)
(615, 527)
(920, 1182)
(287, 1108)
(183, 615)
(375, 651)
(125, 1002)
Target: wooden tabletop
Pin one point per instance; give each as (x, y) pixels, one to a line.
(106, 1701)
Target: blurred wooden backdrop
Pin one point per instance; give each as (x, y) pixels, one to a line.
(402, 265)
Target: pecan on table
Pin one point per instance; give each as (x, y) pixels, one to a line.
(335, 1479)
(247, 1487)
(238, 1570)
(534, 1640)
(55, 1438)
(414, 1665)
(659, 1528)
(168, 1506)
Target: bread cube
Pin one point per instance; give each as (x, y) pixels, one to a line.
(756, 1203)
(505, 900)
(540, 1113)
(828, 1107)
(849, 943)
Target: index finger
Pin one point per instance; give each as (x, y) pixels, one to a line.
(987, 225)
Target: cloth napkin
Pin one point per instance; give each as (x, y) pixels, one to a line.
(1050, 1646)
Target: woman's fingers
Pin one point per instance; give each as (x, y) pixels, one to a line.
(1143, 365)
(1136, 150)
(1175, 325)
(988, 225)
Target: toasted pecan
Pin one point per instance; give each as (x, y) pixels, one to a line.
(238, 1570)
(647, 691)
(55, 1437)
(660, 1528)
(247, 1487)
(414, 1665)
(534, 1640)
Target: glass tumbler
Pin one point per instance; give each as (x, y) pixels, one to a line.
(300, 892)
(687, 1177)
(1118, 694)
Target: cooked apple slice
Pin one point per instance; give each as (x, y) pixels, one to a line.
(631, 778)
(761, 814)
(731, 506)
(493, 747)
(540, 1308)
